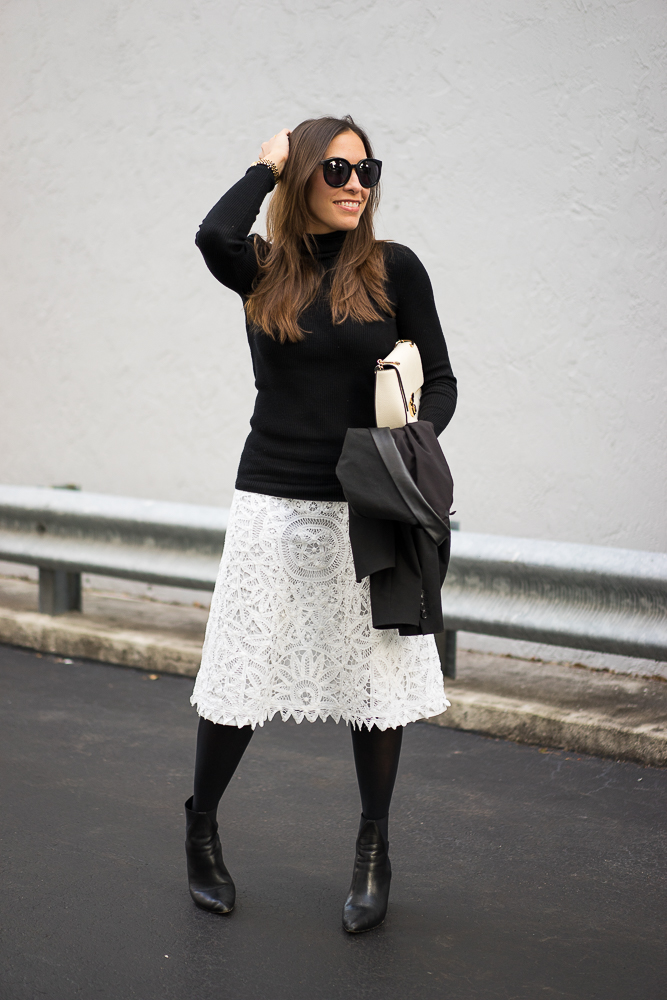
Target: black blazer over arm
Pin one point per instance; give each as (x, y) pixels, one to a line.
(399, 490)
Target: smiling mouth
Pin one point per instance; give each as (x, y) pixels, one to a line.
(348, 206)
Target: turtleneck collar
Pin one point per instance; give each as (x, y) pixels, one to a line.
(328, 245)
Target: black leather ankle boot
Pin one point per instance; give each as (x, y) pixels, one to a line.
(211, 885)
(366, 904)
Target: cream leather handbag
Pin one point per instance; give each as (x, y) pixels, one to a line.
(398, 385)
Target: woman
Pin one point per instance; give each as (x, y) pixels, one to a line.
(289, 629)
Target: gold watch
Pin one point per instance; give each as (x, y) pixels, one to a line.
(268, 163)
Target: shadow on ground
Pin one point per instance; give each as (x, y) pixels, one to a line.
(519, 873)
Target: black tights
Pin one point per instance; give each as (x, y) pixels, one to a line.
(220, 748)
(376, 754)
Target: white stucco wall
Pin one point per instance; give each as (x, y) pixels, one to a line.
(524, 151)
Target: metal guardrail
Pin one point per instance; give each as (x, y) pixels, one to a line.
(580, 596)
(558, 593)
(66, 533)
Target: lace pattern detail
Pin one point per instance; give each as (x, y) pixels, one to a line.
(290, 630)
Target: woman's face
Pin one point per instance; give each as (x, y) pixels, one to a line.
(331, 208)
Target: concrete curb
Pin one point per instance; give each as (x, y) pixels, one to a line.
(89, 641)
(476, 711)
(546, 725)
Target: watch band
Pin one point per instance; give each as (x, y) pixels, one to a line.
(268, 163)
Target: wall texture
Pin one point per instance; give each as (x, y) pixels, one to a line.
(525, 162)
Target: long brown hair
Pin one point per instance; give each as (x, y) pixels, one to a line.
(288, 279)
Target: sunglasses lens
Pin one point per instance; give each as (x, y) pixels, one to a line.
(368, 173)
(336, 172)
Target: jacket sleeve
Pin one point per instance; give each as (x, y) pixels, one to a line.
(417, 320)
(223, 235)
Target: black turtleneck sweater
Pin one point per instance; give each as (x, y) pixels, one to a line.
(309, 393)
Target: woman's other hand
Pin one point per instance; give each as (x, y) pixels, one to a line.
(277, 148)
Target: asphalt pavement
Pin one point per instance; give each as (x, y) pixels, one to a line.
(519, 872)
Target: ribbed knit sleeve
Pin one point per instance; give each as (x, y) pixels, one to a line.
(223, 235)
(417, 320)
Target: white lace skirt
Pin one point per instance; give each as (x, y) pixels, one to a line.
(290, 628)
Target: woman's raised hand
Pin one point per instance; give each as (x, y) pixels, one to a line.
(277, 148)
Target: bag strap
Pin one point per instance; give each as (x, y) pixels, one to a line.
(388, 366)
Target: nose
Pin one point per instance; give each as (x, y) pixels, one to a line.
(353, 185)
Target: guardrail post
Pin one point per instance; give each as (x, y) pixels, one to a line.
(59, 591)
(446, 641)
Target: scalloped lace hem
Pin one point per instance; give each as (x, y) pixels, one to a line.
(301, 715)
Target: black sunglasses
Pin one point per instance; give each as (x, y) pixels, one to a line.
(337, 171)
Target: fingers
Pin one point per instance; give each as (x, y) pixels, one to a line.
(278, 135)
(277, 148)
